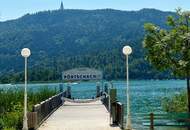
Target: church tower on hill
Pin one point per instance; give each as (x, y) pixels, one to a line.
(61, 7)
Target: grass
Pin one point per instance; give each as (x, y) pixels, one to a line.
(11, 105)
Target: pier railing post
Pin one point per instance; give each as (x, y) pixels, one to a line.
(106, 88)
(151, 121)
(113, 99)
(68, 91)
(98, 93)
(61, 88)
(32, 120)
(122, 116)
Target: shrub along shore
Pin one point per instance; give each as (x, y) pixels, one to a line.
(176, 103)
(11, 105)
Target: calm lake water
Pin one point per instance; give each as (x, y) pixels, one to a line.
(146, 95)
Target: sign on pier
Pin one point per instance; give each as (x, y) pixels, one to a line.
(82, 74)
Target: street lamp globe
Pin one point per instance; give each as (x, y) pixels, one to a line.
(25, 52)
(127, 50)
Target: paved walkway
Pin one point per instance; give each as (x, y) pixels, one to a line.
(76, 116)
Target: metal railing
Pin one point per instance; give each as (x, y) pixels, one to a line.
(164, 121)
(115, 108)
(44, 109)
(106, 101)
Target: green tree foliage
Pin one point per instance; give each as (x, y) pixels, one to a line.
(60, 40)
(170, 49)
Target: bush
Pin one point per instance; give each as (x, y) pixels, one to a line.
(1, 124)
(12, 119)
(176, 103)
(11, 106)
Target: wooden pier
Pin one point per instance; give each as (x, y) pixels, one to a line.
(79, 116)
(59, 112)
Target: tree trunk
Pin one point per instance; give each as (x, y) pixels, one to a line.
(188, 92)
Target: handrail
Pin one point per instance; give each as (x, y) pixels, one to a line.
(106, 101)
(166, 119)
(84, 100)
(44, 109)
(116, 110)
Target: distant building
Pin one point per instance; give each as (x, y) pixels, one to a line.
(82, 74)
(61, 7)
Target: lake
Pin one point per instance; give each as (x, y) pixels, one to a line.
(145, 95)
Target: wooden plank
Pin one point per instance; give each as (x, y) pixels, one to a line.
(79, 116)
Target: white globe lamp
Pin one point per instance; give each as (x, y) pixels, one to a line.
(25, 52)
(127, 50)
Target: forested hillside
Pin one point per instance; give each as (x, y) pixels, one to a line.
(64, 39)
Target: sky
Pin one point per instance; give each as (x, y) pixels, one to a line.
(12, 9)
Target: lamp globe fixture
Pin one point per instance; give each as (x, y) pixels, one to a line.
(25, 52)
(127, 50)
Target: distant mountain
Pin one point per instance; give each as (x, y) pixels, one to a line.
(64, 39)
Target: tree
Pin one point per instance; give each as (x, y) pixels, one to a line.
(169, 49)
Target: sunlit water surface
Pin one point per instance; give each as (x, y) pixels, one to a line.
(145, 95)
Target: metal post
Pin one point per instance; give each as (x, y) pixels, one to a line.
(61, 91)
(122, 116)
(127, 50)
(25, 119)
(109, 105)
(68, 91)
(151, 121)
(102, 87)
(98, 91)
(61, 88)
(113, 99)
(129, 127)
(106, 88)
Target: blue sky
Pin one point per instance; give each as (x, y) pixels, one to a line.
(11, 9)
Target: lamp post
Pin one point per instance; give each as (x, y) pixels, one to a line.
(25, 53)
(127, 50)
